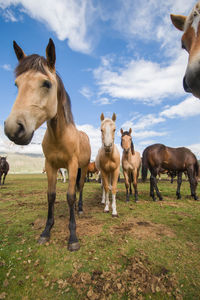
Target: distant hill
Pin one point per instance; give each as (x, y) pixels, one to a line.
(24, 163)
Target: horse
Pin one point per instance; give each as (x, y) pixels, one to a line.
(131, 163)
(108, 162)
(91, 169)
(4, 168)
(190, 42)
(159, 157)
(42, 97)
(61, 172)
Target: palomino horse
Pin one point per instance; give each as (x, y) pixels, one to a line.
(159, 157)
(42, 97)
(108, 162)
(131, 163)
(4, 168)
(190, 26)
(91, 169)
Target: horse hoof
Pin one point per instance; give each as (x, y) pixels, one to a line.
(43, 239)
(80, 213)
(115, 216)
(106, 211)
(74, 246)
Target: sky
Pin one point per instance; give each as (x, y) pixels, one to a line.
(121, 56)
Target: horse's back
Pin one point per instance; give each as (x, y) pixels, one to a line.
(136, 160)
(84, 149)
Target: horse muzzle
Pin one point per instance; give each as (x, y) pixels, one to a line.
(191, 81)
(17, 132)
(108, 148)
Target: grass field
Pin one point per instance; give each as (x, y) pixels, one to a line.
(152, 251)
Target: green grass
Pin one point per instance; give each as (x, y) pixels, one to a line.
(152, 251)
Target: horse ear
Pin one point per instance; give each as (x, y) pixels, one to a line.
(122, 131)
(51, 54)
(102, 117)
(114, 117)
(130, 131)
(18, 51)
(178, 21)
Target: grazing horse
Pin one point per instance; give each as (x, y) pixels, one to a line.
(4, 168)
(159, 157)
(190, 26)
(131, 163)
(42, 97)
(108, 162)
(91, 169)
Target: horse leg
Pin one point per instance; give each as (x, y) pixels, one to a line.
(73, 244)
(51, 196)
(152, 188)
(193, 182)
(179, 181)
(127, 183)
(135, 185)
(115, 176)
(81, 185)
(105, 181)
(4, 177)
(130, 182)
(0, 177)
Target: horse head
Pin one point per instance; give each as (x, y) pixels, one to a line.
(37, 93)
(126, 141)
(108, 129)
(190, 26)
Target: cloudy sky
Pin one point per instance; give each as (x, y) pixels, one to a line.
(121, 56)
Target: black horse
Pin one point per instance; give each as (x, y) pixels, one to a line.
(4, 168)
(158, 158)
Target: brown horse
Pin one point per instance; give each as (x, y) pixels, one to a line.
(159, 157)
(42, 97)
(108, 162)
(190, 42)
(91, 169)
(4, 168)
(131, 163)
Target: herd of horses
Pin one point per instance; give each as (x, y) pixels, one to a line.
(42, 97)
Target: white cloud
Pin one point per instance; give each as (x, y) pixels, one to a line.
(142, 80)
(187, 108)
(86, 92)
(195, 148)
(94, 135)
(68, 19)
(6, 67)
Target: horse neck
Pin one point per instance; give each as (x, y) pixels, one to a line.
(127, 156)
(60, 122)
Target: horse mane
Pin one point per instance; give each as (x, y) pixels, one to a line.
(132, 146)
(190, 18)
(38, 63)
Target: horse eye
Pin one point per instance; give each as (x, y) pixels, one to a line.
(47, 84)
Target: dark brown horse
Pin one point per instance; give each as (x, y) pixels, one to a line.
(159, 157)
(91, 169)
(4, 168)
(42, 97)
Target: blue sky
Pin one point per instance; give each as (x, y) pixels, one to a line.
(121, 56)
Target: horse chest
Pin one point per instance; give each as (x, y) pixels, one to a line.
(127, 165)
(108, 165)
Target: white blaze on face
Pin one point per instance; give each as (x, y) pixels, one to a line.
(107, 135)
(195, 23)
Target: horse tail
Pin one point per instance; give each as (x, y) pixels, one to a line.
(144, 166)
(78, 179)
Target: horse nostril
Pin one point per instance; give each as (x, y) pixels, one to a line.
(185, 86)
(20, 130)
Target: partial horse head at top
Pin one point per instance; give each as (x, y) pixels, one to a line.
(190, 26)
(108, 129)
